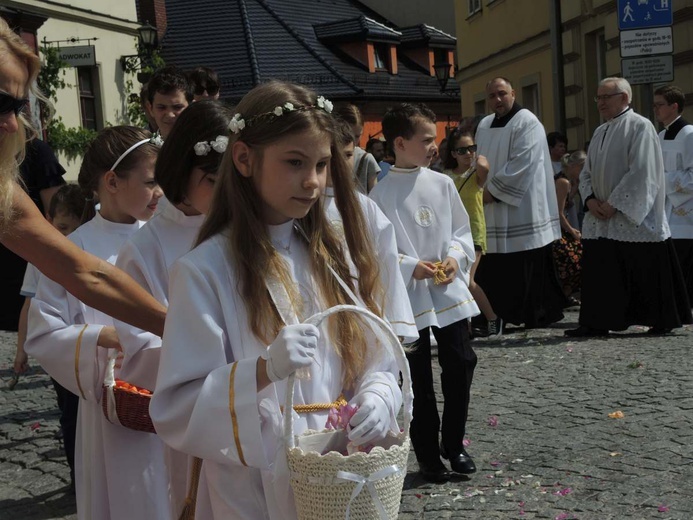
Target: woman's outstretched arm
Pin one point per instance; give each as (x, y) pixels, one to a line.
(94, 281)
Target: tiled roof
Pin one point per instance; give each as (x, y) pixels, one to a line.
(425, 34)
(358, 28)
(250, 41)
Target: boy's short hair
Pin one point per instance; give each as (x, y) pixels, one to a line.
(68, 199)
(344, 135)
(168, 80)
(401, 120)
(672, 95)
(553, 138)
(204, 78)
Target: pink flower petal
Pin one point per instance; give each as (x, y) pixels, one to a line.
(493, 421)
(34, 427)
(466, 442)
(495, 463)
(663, 508)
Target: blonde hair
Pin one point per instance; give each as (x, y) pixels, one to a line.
(12, 145)
(237, 208)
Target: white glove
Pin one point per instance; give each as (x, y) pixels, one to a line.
(293, 348)
(372, 420)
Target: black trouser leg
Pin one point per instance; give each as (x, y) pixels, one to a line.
(68, 403)
(426, 422)
(457, 362)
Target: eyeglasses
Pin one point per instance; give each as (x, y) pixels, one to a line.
(660, 105)
(462, 150)
(11, 104)
(605, 97)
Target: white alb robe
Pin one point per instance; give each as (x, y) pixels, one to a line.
(521, 177)
(207, 403)
(678, 173)
(624, 167)
(430, 224)
(119, 473)
(147, 256)
(397, 308)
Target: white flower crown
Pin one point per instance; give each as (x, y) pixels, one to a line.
(219, 145)
(237, 123)
(157, 140)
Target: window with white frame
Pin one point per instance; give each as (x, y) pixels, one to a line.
(474, 6)
(530, 99)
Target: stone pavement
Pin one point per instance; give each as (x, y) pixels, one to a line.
(539, 430)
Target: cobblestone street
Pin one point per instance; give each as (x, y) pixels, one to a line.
(539, 430)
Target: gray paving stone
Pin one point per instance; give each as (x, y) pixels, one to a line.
(551, 397)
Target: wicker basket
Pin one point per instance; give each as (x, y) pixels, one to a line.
(362, 486)
(122, 406)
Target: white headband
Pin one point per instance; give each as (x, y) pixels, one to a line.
(126, 152)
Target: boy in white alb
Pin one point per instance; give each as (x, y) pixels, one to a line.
(677, 151)
(436, 252)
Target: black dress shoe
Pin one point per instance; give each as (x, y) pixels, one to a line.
(435, 472)
(584, 331)
(460, 462)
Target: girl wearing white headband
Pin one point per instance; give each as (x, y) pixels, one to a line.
(119, 473)
(186, 170)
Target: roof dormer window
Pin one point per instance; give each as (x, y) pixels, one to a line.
(381, 56)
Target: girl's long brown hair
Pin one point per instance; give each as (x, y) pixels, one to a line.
(237, 208)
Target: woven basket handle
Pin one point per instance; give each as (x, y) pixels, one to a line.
(109, 383)
(394, 346)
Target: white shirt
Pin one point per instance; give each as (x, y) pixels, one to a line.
(120, 473)
(397, 308)
(148, 257)
(430, 224)
(30, 282)
(677, 153)
(207, 403)
(624, 167)
(521, 177)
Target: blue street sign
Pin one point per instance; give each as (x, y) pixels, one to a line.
(640, 14)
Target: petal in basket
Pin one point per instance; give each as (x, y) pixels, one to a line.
(330, 485)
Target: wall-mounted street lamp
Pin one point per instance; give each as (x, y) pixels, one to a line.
(442, 71)
(147, 42)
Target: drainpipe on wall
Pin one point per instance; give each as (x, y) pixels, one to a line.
(557, 65)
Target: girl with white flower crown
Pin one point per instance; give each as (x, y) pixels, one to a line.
(233, 332)
(186, 170)
(119, 473)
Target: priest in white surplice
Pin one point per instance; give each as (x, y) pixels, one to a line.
(677, 150)
(521, 213)
(629, 266)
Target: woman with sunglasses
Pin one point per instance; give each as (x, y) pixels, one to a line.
(26, 232)
(469, 172)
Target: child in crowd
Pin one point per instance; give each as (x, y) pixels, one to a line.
(382, 234)
(436, 254)
(469, 172)
(567, 251)
(205, 83)
(169, 93)
(186, 170)
(64, 213)
(119, 473)
(262, 264)
(365, 166)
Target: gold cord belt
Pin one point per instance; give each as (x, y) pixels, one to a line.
(316, 407)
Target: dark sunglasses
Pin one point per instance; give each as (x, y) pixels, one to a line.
(212, 91)
(11, 104)
(462, 150)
